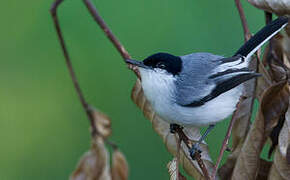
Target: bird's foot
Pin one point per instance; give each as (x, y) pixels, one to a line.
(174, 127)
(195, 149)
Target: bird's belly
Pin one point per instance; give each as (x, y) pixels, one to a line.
(211, 112)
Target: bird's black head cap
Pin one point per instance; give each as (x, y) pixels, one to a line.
(172, 64)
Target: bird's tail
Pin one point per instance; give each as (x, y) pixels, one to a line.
(261, 37)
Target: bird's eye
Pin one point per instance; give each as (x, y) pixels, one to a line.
(160, 65)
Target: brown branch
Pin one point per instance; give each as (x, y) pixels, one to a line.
(226, 140)
(121, 49)
(197, 156)
(85, 105)
(247, 33)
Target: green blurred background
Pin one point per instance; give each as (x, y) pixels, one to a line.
(43, 128)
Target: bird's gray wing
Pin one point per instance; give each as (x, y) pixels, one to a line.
(203, 79)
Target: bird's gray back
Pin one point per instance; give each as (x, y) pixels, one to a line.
(193, 82)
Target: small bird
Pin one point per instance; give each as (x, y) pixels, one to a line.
(200, 89)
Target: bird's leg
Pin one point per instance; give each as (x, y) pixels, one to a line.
(195, 148)
(174, 127)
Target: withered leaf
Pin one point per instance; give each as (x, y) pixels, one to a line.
(102, 122)
(173, 170)
(94, 164)
(274, 136)
(281, 169)
(279, 7)
(119, 168)
(162, 128)
(288, 154)
(264, 82)
(274, 101)
(274, 58)
(264, 168)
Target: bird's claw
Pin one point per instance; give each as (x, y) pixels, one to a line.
(174, 127)
(195, 149)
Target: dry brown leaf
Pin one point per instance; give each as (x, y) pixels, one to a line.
(264, 168)
(102, 121)
(286, 47)
(279, 7)
(173, 170)
(281, 168)
(274, 58)
(162, 129)
(274, 136)
(263, 82)
(94, 164)
(119, 168)
(274, 101)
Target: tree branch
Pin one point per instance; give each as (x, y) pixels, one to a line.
(247, 33)
(121, 49)
(85, 105)
(197, 156)
(226, 140)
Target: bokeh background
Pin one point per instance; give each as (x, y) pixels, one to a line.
(43, 128)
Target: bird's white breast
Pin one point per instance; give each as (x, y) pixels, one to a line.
(159, 89)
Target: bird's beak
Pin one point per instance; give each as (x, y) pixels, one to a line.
(137, 63)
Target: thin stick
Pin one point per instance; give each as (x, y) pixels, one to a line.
(121, 49)
(247, 33)
(197, 156)
(226, 140)
(85, 105)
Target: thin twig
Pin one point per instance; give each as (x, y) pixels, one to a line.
(197, 156)
(247, 33)
(85, 105)
(121, 49)
(226, 140)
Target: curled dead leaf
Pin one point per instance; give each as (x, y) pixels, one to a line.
(274, 59)
(274, 136)
(173, 170)
(264, 168)
(274, 101)
(279, 7)
(286, 47)
(94, 164)
(102, 122)
(162, 129)
(119, 168)
(281, 169)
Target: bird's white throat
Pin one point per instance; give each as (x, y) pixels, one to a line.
(159, 89)
(158, 85)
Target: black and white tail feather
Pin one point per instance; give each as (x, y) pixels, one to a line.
(233, 71)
